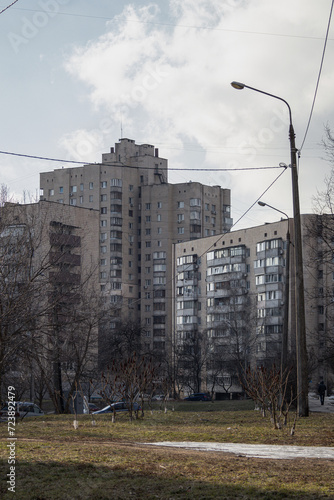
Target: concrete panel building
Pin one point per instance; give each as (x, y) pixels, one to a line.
(237, 290)
(141, 217)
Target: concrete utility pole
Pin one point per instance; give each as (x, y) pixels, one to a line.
(301, 350)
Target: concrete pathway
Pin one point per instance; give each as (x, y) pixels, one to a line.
(314, 405)
(262, 450)
(254, 450)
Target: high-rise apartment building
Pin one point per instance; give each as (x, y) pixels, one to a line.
(141, 216)
(236, 293)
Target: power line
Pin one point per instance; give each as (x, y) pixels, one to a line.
(3, 10)
(34, 157)
(219, 237)
(319, 74)
(173, 25)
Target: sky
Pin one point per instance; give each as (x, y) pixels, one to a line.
(78, 75)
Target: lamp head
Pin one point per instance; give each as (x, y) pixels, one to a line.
(238, 85)
(261, 203)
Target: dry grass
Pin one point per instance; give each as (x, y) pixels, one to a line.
(107, 461)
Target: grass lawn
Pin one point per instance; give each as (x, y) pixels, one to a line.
(109, 461)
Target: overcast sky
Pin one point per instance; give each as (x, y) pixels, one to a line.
(77, 75)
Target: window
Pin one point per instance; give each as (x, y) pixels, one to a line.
(81, 200)
(51, 192)
(207, 206)
(147, 257)
(73, 189)
(103, 262)
(116, 182)
(147, 232)
(159, 230)
(159, 217)
(61, 189)
(159, 280)
(147, 270)
(115, 221)
(195, 202)
(91, 185)
(73, 201)
(148, 244)
(114, 234)
(195, 215)
(159, 267)
(180, 217)
(180, 204)
(180, 230)
(103, 236)
(103, 249)
(147, 206)
(103, 197)
(159, 255)
(159, 204)
(130, 187)
(103, 210)
(103, 275)
(81, 187)
(90, 198)
(103, 184)
(148, 218)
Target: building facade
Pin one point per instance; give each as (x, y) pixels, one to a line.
(237, 293)
(141, 217)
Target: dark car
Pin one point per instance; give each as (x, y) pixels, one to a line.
(121, 406)
(198, 396)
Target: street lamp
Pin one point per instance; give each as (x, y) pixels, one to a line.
(284, 352)
(301, 350)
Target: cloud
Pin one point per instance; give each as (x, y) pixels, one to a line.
(170, 85)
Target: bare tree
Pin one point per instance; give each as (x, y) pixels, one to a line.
(118, 339)
(49, 306)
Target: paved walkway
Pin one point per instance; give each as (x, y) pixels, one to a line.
(314, 405)
(262, 450)
(254, 450)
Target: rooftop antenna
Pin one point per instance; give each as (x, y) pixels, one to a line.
(121, 128)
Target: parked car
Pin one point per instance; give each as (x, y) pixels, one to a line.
(198, 396)
(119, 407)
(158, 397)
(90, 408)
(22, 410)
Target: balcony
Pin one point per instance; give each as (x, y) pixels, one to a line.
(70, 240)
(59, 258)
